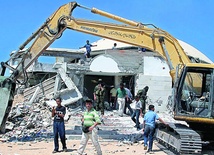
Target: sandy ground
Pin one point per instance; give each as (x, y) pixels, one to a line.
(46, 148)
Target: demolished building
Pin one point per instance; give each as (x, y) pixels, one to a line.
(73, 77)
(124, 64)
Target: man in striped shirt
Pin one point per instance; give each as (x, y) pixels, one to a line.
(90, 120)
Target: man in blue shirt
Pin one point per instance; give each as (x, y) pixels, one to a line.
(149, 127)
(88, 49)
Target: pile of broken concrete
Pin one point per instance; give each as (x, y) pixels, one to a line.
(29, 122)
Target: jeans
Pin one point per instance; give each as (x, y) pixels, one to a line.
(59, 131)
(137, 114)
(149, 132)
(94, 138)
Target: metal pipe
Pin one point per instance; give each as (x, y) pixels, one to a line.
(33, 36)
(106, 14)
(161, 40)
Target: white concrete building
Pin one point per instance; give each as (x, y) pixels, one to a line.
(123, 64)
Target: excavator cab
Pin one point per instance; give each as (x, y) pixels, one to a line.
(194, 98)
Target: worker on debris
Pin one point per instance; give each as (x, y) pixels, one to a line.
(58, 125)
(142, 93)
(88, 49)
(149, 127)
(89, 130)
(99, 94)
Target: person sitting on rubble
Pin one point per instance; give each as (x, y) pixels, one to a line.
(114, 46)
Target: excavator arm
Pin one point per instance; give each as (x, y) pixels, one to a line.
(130, 32)
(40, 40)
(135, 34)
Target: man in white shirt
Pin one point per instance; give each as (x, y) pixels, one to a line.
(137, 112)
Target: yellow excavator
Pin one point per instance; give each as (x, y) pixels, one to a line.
(192, 98)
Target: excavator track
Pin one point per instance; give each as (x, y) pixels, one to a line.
(180, 139)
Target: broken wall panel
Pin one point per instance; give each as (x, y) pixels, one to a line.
(47, 87)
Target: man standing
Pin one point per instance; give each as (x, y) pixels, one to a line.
(88, 49)
(149, 127)
(58, 125)
(128, 101)
(99, 94)
(120, 96)
(137, 112)
(113, 93)
(142, 94)
(90, 120)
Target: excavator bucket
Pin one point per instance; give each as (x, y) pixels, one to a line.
(7, 89)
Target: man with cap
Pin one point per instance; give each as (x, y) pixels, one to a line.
(90, 120)
(99, 94)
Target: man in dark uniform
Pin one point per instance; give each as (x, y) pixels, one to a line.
(143, 96)
(58, 125)
(99, 94)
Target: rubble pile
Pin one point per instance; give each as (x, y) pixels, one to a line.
(132, 138)
(29, 122)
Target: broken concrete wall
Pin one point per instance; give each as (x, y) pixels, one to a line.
(46, 86)
(158, 79)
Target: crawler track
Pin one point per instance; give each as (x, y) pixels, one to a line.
(180, 139)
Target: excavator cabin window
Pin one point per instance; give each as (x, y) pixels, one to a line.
(195, 94)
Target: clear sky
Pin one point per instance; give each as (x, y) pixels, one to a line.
(188, 20)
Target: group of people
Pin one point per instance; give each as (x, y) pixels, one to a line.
(124, 98)
(90, 118)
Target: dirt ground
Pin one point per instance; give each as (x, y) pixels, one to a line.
(46, 148)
